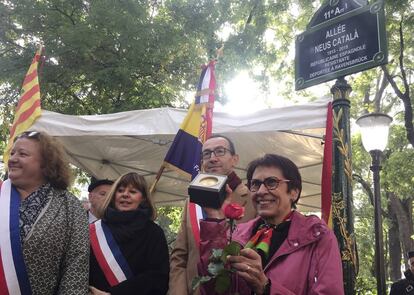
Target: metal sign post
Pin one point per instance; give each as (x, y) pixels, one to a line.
(343, 37)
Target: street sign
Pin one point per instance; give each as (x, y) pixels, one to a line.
(334, 8)
(347, 43)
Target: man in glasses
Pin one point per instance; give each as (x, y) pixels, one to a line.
(218, 156)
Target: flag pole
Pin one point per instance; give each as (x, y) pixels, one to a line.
(157, 178)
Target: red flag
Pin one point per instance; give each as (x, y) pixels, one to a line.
(327, 170)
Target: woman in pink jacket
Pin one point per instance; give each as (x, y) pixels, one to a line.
(284, 251)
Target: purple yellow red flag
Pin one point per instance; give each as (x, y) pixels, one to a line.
(184, 154)
(28, 109)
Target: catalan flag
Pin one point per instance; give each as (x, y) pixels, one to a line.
(28, 109)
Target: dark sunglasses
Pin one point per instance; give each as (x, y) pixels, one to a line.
(28, 134)
(271, 183)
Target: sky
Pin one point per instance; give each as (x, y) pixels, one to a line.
(245, 96)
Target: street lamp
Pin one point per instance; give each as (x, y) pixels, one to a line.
(374, 133)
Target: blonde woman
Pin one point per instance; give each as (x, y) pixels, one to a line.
(129, 252)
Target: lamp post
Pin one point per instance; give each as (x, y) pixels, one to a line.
(374, 133)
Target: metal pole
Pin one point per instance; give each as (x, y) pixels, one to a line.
(342, 201)
(379, 249)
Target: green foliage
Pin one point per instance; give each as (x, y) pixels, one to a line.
(233, 248)
(199, 280)
(216, 255)
(107, 56)
(174, 214)
(400, 181)
(169, 219)
(364, 233)
(395, 179)
(223, 282)
(102, 56)
(215, 268)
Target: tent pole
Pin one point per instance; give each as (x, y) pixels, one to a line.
(342, 201)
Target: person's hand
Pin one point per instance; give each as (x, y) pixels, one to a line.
(219, 213)
(249, 266)
(94, 291)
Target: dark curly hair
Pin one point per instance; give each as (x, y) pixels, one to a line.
(289, 170)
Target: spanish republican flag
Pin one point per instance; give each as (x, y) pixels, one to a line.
(184, 154)
(28, 109)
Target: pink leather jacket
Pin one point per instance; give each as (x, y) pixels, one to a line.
(307, 263)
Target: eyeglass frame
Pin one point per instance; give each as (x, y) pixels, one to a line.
(215, 154)
(278, 181)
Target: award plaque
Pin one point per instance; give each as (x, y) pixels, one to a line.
(208, 190)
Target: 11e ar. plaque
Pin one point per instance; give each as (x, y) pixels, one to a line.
(343, 37)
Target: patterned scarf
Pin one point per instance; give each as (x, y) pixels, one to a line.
(31, 207)
(262, 239)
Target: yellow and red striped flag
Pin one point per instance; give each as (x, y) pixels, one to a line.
(28, 109)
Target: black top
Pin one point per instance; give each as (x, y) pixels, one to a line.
(143, 244)
(404, 286)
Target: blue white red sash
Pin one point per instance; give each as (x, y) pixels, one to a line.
(107, 253)
(196, 214)
(13, 273)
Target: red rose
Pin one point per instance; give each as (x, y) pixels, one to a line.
(234, 211)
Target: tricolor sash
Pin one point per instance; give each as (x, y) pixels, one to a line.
(196, 214)
(13, 274)
(107, 253)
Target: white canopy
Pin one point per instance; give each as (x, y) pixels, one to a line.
(106, 146)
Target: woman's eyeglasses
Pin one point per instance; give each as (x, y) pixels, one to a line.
(271, 183)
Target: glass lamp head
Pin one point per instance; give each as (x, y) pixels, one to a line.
(374, 131)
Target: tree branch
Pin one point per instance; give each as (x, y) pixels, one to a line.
(366, 186)
(401, 59)
(250, 17)
(380, 91)
(405, 97)
(65, 14)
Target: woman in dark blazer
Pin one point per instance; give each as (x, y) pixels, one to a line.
(129, 252)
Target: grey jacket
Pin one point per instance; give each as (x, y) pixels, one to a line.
(56, 251)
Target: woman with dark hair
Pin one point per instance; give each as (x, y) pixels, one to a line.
(129, 251)
(44, 245)
(284, 252)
